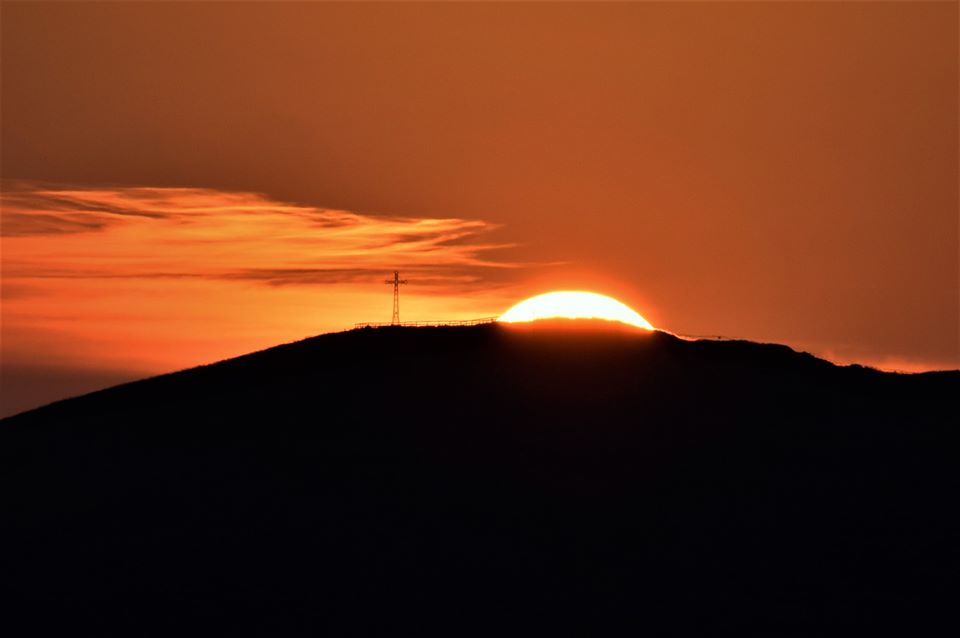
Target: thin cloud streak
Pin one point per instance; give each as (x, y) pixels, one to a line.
(146, 233)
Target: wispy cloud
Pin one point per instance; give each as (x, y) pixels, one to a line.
(140, 232)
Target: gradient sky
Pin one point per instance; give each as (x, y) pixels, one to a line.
(184, 182)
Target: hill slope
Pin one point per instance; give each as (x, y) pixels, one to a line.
(483, 479)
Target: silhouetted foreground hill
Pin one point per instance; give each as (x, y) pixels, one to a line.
(494, 481)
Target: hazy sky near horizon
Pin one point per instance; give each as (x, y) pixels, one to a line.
(184, 182)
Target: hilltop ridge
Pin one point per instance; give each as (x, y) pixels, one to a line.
(465, 479)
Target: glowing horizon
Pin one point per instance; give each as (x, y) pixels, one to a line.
(156, 279)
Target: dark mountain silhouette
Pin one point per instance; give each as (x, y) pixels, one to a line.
(490, 480)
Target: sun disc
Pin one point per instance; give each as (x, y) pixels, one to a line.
(574, 304)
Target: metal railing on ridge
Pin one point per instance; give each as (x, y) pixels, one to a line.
(424, 324)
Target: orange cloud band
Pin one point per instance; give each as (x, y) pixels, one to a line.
(160, 278)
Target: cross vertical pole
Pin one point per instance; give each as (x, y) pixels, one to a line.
(396, 281)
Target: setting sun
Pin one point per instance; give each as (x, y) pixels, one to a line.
(574, 304)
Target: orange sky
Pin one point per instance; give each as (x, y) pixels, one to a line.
(189, 181)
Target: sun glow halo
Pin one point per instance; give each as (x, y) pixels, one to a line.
(574, 304)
